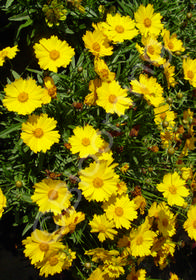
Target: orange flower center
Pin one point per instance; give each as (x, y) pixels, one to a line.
(44, 247)
(147, 22)
(112, 98)
(38, 132)
(54, 55)
(194, 224)
(53, 194)
(72, 228)
(119, 29)
(97, 182)
(96, 47)
(151, 49)
(165, 222)
(23, 97)
(53, 261)
(85, 141)
(119, 211)
(170, 45)
(144, 90)
(139, 240)
(163, 115)
(172, 189)
(190, 74)
(102, 228)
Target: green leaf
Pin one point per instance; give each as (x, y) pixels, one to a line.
(8, 3)
(27, 228)
(8, 130)
(15, 74)
(19, 17)
(27, 23)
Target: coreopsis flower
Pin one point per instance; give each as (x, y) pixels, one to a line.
(171, 43)
(190, 223)
(53, 53)
(103, 71)
(122, 212)
(169, 71)
(38, 133)
(96, 274)
(54, 12)
(151, 90)
(113, 267)
(23, 96)
(8, 52)
(50, 90)
(97, 43)
(166, 222)
(173, 276)
(98, 181)
(139, 274)
(68, 220)
(113, 98)
(119, 28)
(121, 188)
(51, 195)
(91, 98)
(85, 141)
(187, 173)
(163, 115)
(100, 254)
(147, 21)
(140, 203)
(173, 189)
(141, 241)
(103, 226)
(39, 243)
(125, 168)
(56, 261)
(3, 202)
(189, 68)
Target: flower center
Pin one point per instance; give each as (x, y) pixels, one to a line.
(119, 29)
(147, 22)
(119, 211)
(134, 277)
(38, 132)
(139, 240)
(53, 261)
(54, 55)
(190, 74)
(102, 228)
(53, 194)
(170, 45)
(112, 98)
(145, 90)
(97, 182)
(165, 222)
(151, 49)
(44, 247)
(172, 189)
(163, 115)
(96, 47)
(85, 141)
(23, 97)
(194, 224)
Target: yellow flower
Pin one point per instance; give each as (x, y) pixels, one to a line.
(163, 115)
(173, 276)
(69, 220)
(51, 195)
(124, 168)
(173, 188)
(171, 43)
(166, 222)
(189, 67)
(97, 43)
(190, 223)
(91, 98)
(38, 133)
(122, 212)
(97, 274)
(8, 52)
(152, 50)
(137, 275)
(141, 241)
(23, 96)
(140, 203)
(85, 141)
(3, 201)
(50, 90)
(38, 244)
(169, 72)
(119, 28)
(113, 98)
(113, 267)
(100, 254)
(98, 181)
(147, 21)
(101, 224)
(53, 53)
(122, 187)
(103, 71)
(187, 173)
(150, 89)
